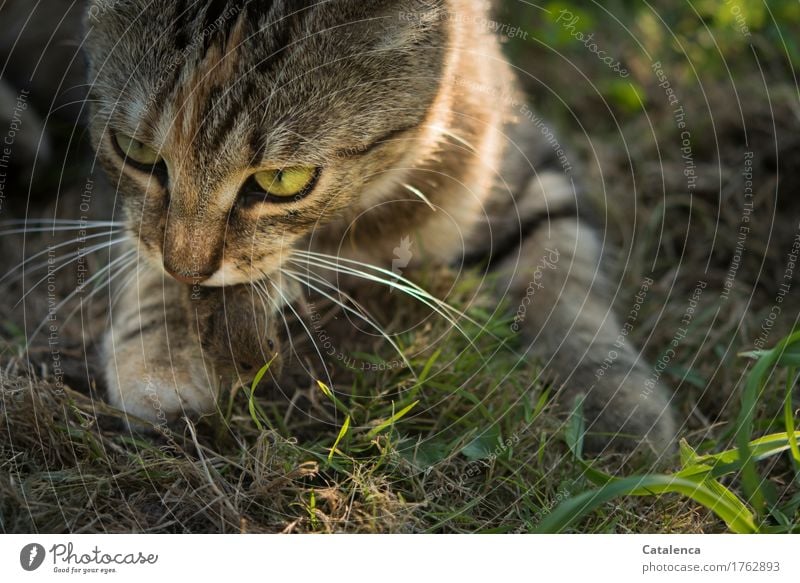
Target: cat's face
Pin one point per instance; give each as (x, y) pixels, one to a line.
(233, 129)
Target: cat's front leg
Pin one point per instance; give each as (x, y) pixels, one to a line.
(563, 313)
(154, 363)
(171, 348)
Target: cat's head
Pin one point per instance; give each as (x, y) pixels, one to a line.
(234, 128)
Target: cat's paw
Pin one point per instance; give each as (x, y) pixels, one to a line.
(155, 394)
(238, 332)
(623, 412)
(171, 362)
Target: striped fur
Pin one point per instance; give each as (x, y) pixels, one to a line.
(406, 106)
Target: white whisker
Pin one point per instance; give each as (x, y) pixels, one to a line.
(53, 221)
(261, 287)
(411, 290)
(302, 323)
(397, 282)
(73, 257)
(125, 258)
(50, 249)
(297, 277)
(421, 195)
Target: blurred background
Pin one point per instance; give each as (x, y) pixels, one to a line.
(683, 119)
(686, 118)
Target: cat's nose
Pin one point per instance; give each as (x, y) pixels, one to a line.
(191, 278)
(193, 247)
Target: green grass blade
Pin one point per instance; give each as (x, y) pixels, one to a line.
(326, 390)
(251, 402)
(342, 433)
(751, 481)
(761, 448)
(788, 416)
(709, 494)
(312, 509)
(429, 366)
(576, 429)
(391, 420)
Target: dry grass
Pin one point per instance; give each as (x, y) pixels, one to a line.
(67, 464)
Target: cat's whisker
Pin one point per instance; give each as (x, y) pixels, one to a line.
(73, 257)
(91, 85)
(262, 297)
(298, 277)
(126, 282)
(99, 287)
(311, 276)
(127, 260)
(67, 259)
(261, 287)
(419, 194)
(54, 221)
(398, 282)
(447, 132)
(74, 102)
(363, 314)
(121, 269)
(44, 225)
(412, 290)
(302, 323)
(50, 249)
(345, 270)
(61, 229)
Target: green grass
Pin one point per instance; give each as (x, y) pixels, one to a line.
(467, 439)
(450, 445)
(759, 510)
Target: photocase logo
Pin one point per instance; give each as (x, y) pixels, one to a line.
(31, 556)
(403, 256)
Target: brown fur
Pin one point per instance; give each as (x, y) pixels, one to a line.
(380, 95)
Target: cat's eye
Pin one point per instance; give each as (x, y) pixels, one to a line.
(136, 151)
(283, 185)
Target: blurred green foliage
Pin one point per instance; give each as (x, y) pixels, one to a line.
(710, 39)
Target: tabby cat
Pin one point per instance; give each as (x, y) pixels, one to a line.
(247, 137)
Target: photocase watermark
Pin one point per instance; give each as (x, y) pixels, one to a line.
(549, 136)
(98, 7)
(679, 116)
(83, 227)
(151, 391)
(6, 147)
(546, 262)
(744, 229)
(570, 22)
(784, 287)
(325, 344)
(627, 328)
(32, 556)
(524, 110)
(562, 494)
(738, 14)
(671, 352)
(665, 84)
(53, 332)
(402, 256)
(423, 19)
(67, 560)
(181, 57)
(474, 468)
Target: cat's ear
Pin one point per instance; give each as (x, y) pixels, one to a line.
(95, 9)
(423, 5)
(421, 22)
